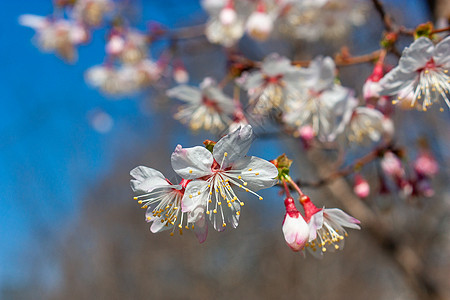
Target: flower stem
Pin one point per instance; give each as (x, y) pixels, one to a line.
(295, 186)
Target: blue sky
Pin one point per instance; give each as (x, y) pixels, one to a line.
(49, 154)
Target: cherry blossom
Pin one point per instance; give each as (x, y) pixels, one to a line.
(322, 104)
(421, 74)
(163, 201)
(215, 174)
(275, 83)
(326, 227)
(295, 228)
(206, 107)
(58, 35)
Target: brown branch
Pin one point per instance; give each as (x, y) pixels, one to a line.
(357, 164)
(403, 254)
(385, 17)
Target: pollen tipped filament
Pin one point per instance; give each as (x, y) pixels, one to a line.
(165, 207)
(327, 238)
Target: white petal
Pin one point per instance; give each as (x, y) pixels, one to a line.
(229, 216)
(296, 232)
(185, 93)
(257, 172)
(416, 55)
(192, 163)
(201, 228)
(146, 179)
(275, 64)
(33, 21)
(315, 223)
(235, 145)
(441, 53)
(395, 81)
(158, 226)
(250, 81)
(341, 218)
(192, 198)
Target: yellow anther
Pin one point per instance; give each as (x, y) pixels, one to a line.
(229, 204)
(219, 203)
(225, 154)
(238, 213)
(181, 231)
(224, 225)
(210, 201)
(239, 177)
(210, 193)
(149, 218)
(240, 185)
(135, 198)
(246, 190)
(140, 201)
(209, 185)
(324, 249)
(190, 171)
(192, 226)
(260, 198)
(215, 211)
(187, 227)
(441, 109)
(179, 226)
(171, 234)
(245, 183)
(198, 192)
(145, 206)
(336, 247)
(242, 203)
(256, 174)
(250, 169)
(190, 196)
(228, 201)
(207, 212)
(175, 208)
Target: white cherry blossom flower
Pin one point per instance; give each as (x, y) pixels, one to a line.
(327, 230)
(215, 174)
(322, 104)
(273, 85)
(366, 124)
(91, 12)
(56, 35)
(163, 202)
(225, 27)
(206, 107)
(331, 19)
(422, 73)
(125, 79)
(260, 23)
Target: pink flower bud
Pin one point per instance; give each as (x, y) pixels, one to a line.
(392, 165)
(426, 165)
(361, 187)
(180, 75)
(295, 228)
(115, 45)
(228, 15)
(259, 23)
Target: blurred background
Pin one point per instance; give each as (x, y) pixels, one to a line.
(70, 229)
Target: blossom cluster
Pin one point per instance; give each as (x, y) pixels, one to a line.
(319, 230)
(211, 177)
(306, 99)
(311, 103)
(229, 20)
